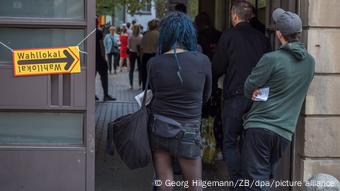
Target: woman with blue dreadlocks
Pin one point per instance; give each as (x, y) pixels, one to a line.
(180, 80)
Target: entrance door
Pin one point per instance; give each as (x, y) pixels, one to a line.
(264, 9)
(47, 121)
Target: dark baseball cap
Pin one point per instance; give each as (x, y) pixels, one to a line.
(287, 22)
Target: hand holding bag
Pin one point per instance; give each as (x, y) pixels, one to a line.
(114, 47)
(130, 135)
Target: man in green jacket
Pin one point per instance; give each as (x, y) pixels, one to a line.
(270, 125)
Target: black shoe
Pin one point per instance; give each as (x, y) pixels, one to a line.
(109, 98)
(97, 99)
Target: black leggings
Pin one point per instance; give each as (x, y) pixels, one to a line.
(115, 61)
(133, 57)
(145, 59)
(101, 68)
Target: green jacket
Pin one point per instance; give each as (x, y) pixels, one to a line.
(288, 73)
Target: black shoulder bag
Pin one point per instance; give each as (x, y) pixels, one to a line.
(130, 135)
(114, 47)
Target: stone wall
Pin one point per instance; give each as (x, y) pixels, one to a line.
(318, 139)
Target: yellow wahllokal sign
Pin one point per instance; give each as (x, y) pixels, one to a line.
(42, 61)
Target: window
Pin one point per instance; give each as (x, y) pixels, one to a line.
(37, 38)
(60, 9)
(146, 8)
(37, 128)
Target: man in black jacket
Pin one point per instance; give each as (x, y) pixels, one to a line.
(101, 65)
(237, 53)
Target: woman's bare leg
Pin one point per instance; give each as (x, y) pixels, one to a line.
(192, 171)
(163, 168)
(128, 63)
(121, 64)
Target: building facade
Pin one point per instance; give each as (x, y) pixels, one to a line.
(143, 16)
(47, 122)
(319, 136)
(316, 143)
(47, 136)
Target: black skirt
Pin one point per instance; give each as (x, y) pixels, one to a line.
(177, 147)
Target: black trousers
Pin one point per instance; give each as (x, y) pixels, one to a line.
(115, 61)
(261, 151)
(146, 57)
(133, 56)
(101, 68)
(234, 109)
(139, 65)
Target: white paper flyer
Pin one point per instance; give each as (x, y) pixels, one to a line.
(263, 96)
(139, 98)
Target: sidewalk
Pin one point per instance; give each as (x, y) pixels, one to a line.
(111, 172)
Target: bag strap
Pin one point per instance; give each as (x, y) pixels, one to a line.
(113, 42)
(146, 85)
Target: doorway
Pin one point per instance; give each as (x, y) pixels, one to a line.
(111, 173)
(218, 10)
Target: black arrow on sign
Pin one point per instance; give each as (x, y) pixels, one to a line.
(69, 60)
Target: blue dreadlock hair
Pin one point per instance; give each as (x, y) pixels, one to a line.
(177, 31)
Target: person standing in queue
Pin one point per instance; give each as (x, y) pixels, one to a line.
(101, 65)
(128, 29)
(180, 80)
(149, 47)
(238, 51)
(270, 125)
(134, 52)
(124, 56)
(208, 38)
(111, 41)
